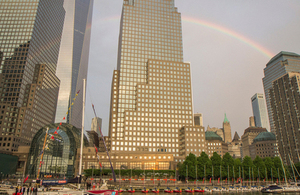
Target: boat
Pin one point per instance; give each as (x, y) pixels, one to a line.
(272, 189)
(216, 189)
(168, 190)
(254, 188)
(120, 190)
(189, 190)
(224, 189)
(198, 189)
(207, 189)
(131, 190)
(177, 190)
(232, 189)
(145, 190)
(155, 190)
(106, 192)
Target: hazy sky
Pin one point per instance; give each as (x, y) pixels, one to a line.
(227, 42)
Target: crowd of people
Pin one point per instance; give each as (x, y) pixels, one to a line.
(26, 190)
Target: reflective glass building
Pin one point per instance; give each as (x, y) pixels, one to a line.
(73, 59)
(59, 154)
(260, 111)
(30, 36)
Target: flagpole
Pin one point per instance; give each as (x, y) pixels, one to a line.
(82, 132)
(37, 177)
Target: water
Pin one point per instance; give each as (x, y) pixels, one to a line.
(199, 193)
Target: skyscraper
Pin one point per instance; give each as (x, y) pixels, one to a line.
(227, 130)
(96, 123)
(278, 66)
(259, 111)
(285, 104)
(151, 100)
(73, 59)
(29, 44)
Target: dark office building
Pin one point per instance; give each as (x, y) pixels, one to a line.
(30, 34)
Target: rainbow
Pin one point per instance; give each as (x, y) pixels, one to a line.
(215, 27)
(230, 33)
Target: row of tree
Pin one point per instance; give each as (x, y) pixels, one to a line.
(216, 167)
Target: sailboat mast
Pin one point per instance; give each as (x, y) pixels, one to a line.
(82, 132)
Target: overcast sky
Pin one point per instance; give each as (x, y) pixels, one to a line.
(227, 42)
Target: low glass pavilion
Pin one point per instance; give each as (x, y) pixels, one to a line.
(59, 155)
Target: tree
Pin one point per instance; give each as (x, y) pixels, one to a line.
(247, 167)
(269, 166)
(278, 167)
(216, 163)
(227, 164)
(203, 161)
(259, 167)
(188, 166)
(237, 168)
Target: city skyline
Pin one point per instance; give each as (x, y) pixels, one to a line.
(222, 93)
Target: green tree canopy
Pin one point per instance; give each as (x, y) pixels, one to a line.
(247, 165)
(216, 163)
(227, 165)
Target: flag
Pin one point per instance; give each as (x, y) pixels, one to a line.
(203, 180)
(226, 180)
(219, 180)
(60, 123)
(78, 91)
(55, 132)
(52, 137)
(237, 180)
(64, 118)
(210, 180)
(277, 180)
(76, 95)
(96, 149)
(41, 153)
(42, 162)
(25, 179)
(67, 112)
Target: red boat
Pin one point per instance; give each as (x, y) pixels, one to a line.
(105, 192)
(131, 190)
(145, 190)
(189, 190)
(155, 190)
(198, 189)
(168, 190)
(120, 190)
(177, 190)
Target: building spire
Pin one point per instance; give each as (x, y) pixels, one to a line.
(226, 119)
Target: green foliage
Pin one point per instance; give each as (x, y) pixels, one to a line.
(269, 166)
(259, 167)
(227, 165)
(247, 166)
(188, 168)
(204, 163)
(237, 168)
(216, 163)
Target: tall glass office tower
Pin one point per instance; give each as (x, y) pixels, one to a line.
(151, 100)
(284, 62)
(73, 59)
(260, 111)
(30, 35)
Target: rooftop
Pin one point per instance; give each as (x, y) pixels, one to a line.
(210, 135)
(264, 136)
(282, 53)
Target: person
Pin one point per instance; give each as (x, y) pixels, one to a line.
(28, 190)
(16, 190)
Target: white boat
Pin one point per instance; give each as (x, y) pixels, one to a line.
(216, 189)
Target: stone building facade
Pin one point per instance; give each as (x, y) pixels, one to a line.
(264, 145)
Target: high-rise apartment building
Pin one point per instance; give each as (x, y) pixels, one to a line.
(278, 66)
(96, 123)
(73, 59)
(285, 104)
(151, 100)
(30, 34)
(260, 111)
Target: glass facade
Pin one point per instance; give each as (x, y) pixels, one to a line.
(260, 111)
(279, 65)
(59, 154)
(30, 34)
(73, 59)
